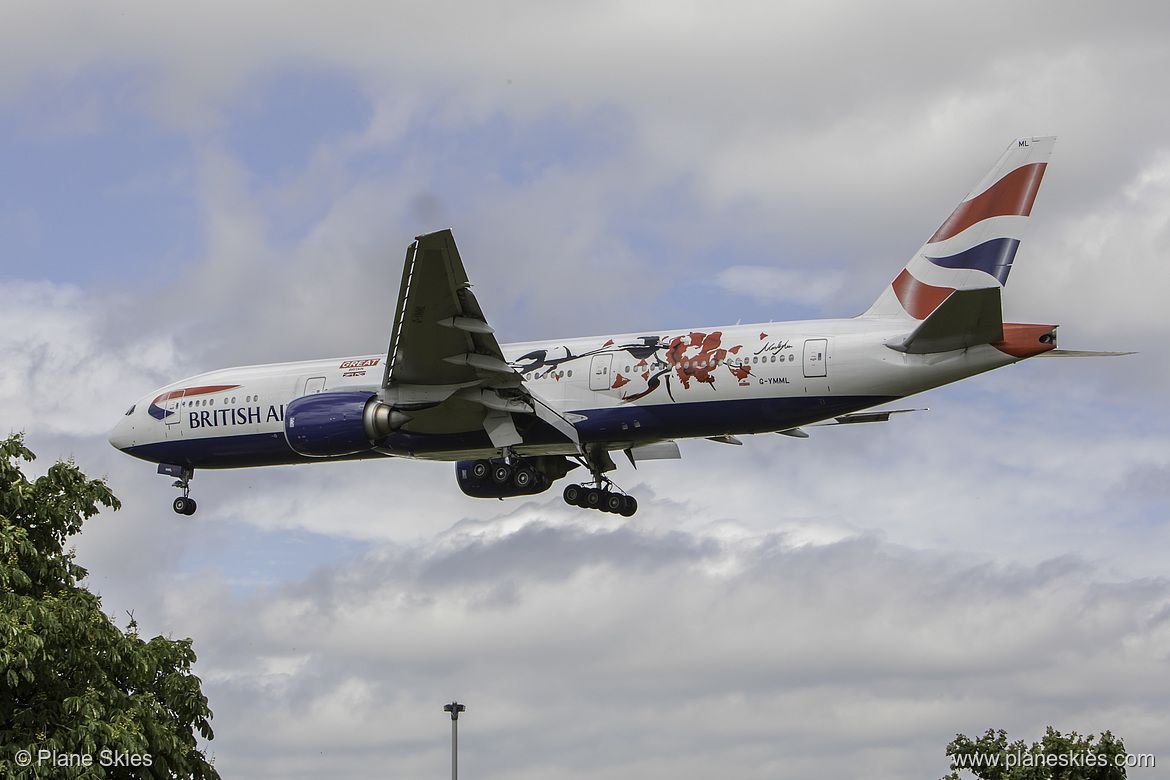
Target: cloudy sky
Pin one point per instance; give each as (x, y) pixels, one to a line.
(183, 190)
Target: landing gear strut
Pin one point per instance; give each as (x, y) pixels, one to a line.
(184, 504)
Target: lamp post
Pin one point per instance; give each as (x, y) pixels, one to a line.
(454, 708)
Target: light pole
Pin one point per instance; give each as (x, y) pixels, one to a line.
(454, 708)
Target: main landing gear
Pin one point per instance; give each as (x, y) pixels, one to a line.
(601, 498)
(599, 495)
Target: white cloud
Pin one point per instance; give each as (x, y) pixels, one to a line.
(781, 284)
(64, 371)
(564, 637)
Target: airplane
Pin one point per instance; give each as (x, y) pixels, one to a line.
(515, 418)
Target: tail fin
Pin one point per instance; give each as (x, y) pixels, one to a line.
(975, 247)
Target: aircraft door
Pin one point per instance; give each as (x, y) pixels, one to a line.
(314, 384)
(174, 406)
(816, 357)
(599, 378)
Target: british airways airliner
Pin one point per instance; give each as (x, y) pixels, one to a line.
(515, 418)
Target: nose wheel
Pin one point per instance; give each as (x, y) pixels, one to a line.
(184, 504)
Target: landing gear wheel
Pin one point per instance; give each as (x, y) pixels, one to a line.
(613, 503)
(592, 498)
(480, 469)
(501, 474)
(184, 506)
(573, 495)
(524, 478)
(630, 506)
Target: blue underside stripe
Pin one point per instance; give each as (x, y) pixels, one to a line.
(994, 257)
(665, 421)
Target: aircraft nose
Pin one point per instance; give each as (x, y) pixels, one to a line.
(122, 434)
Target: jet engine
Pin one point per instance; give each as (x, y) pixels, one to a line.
(329, 425)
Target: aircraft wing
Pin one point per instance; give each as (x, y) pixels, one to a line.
(440, 335)
(445, 368)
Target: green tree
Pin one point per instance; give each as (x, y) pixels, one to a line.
(71, 682)
(1055, 757)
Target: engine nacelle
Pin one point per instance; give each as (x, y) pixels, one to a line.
(496, 478)
(329, 425)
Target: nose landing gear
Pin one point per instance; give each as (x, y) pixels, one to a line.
(184, 504)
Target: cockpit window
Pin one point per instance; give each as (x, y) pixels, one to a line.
(130, 411)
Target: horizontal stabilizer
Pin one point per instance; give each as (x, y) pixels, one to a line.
(850, 419)
(868, 417)
(1080, 353)
(966, 318)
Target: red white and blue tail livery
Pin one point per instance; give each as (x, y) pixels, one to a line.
(517, 417)
(976, 245)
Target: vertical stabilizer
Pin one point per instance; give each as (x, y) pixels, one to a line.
(974, 248)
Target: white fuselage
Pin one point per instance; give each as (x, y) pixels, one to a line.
(622, 390)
